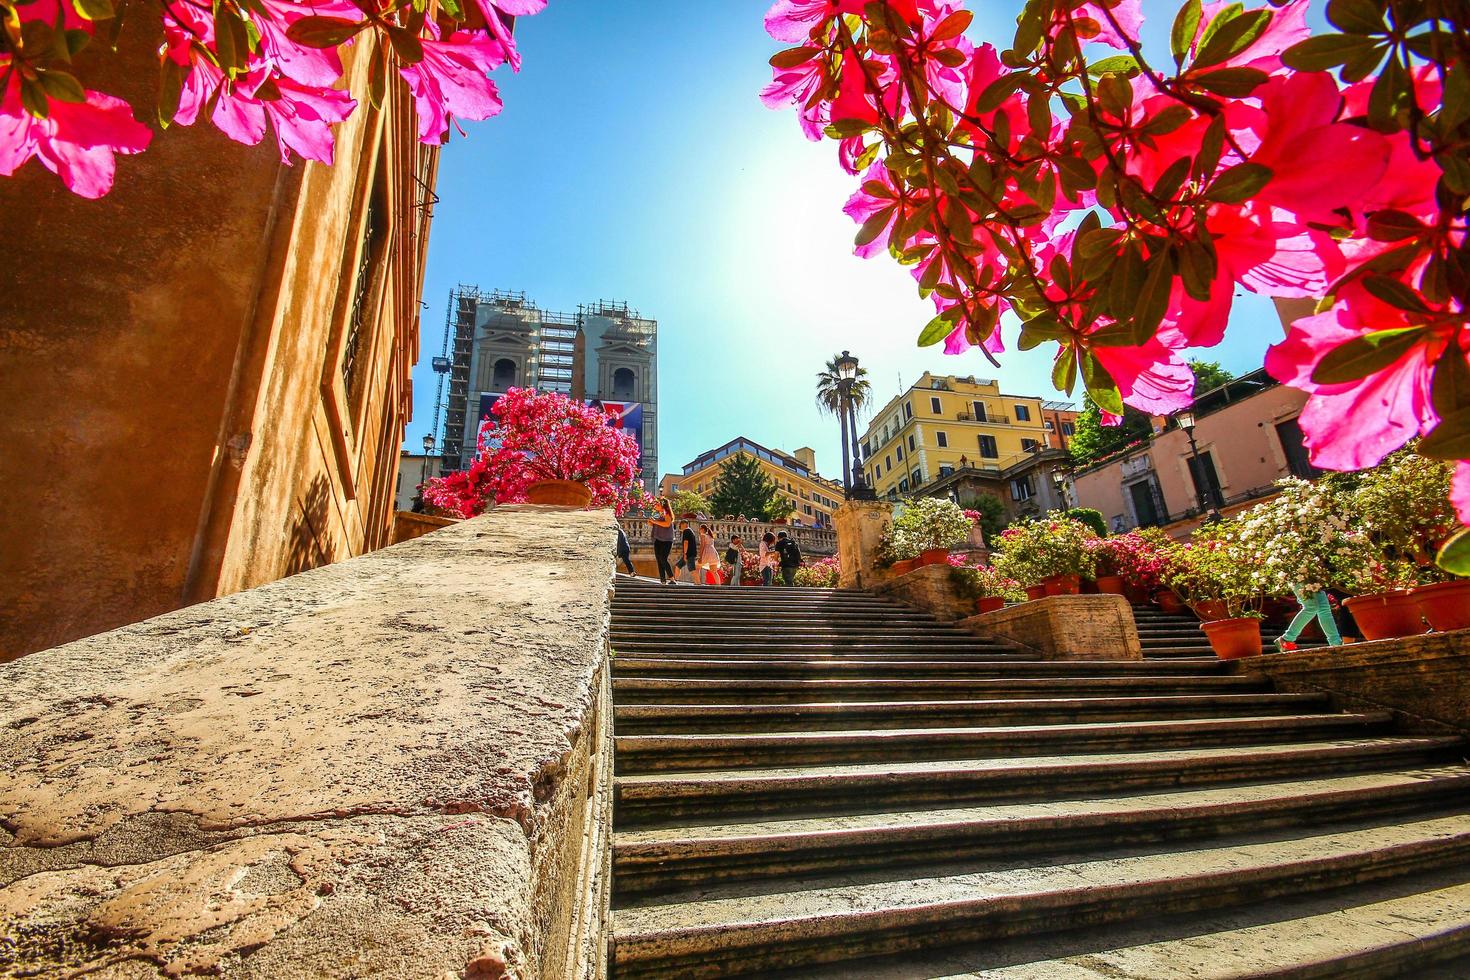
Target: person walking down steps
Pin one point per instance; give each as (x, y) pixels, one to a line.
(709, 557)
(767, 560)
(662, 523)
(1315, 605)
(689, 558)
(734, 559)
(790, 553)
(625, 550)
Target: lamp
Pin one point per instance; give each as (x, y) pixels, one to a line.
(1185, 420)
(847, 367)
(424, 470)
(428, 443)
(847, 373)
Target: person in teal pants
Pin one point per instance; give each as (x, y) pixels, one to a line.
(1314, 606)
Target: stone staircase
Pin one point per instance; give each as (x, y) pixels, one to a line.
(823, 784)
(1168, 635)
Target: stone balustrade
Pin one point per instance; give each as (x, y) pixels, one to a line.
(814, 541)
(398, 765)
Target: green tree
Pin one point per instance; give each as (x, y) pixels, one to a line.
(744, 489)
(1092, 439)
(689, 502)
(993, 518)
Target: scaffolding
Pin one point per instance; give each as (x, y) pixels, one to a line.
(459, 319)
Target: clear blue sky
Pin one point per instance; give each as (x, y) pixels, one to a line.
(634, 161)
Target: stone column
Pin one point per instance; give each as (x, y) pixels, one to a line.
(860, 526)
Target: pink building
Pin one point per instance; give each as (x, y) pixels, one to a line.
(1246, 436)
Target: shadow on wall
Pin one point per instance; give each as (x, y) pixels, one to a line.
(310, 545)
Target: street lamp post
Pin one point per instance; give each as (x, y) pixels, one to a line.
(1185, 421)
(857, 486)
(1059, 479)
(428, 451)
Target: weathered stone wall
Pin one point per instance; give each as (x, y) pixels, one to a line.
(932, 587)
(860, 526)
(1423, 680)
(395, 766)
(1065, 627)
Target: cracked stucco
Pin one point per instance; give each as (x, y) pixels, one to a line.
(371, 769)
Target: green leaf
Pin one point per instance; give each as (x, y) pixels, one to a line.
(1230, 38)
(1064, 371)
(406, 45)
(1211, 145)
(1115, 94)
(1125, 63)
(874, 226)
(1238, 183)
(1077, 175)
(1395, 293)
(1167, 120)
(792, 57)
(1454, 557)
(33, 98)
(1172, 179)
(1450, 390)
(1364, 355)
(1233, 83)
(170, 88)
(1391, 226)
(1326, 51)
(1391, 92)
(952, 26)
(938, 328)
(62, 86)
(377, 78)
(1101, 387)
(1197, 268)
(324, 32)
(1153, 298)
(997, 92)
(1450, 438)
(1356, 16)
(93, 9)
(1186, 26)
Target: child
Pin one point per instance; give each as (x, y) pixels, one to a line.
(734, 555)
(1314, 606)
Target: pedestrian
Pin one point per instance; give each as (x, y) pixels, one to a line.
(709, 558)
(625, 550)
(688, 550)
(735, 558)
(767, 558)
(790, 554)
(662, 523)
(1314, 605)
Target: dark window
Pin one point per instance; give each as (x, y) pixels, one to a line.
(1029, 444)
(911, 441)
(988, 448)
(623, 382)
(934, 404)
(1146, 504)
(867, 450)
(1023, 414)
(1022, 488)
(1290, 434)
(916, 478)
(979, 411)
(1206, 480)
(946, 471)
(899, 452)
(888, 462)
(908, 410)
(943, 440)
(903, 486)
(1068, 429)
(504, 376)
(359, 325)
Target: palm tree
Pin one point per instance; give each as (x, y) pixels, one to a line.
(843, 398)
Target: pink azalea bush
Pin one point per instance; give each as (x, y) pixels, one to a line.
(1114, 206)
(1138, 556)
(249, 66)
(820, 574)
(542, 435)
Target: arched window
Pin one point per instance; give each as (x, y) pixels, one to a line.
(505, 374)
(623, 381)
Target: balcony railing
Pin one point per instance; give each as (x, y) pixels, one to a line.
(811, 540)
(987, 417)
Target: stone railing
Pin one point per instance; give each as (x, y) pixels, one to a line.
(818, 541)
(398, 765)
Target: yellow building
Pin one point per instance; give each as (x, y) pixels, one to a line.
(813, 496)
(943, 424)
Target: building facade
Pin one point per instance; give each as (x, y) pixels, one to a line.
(944, 424)
(498, 339)
(1060, 421)
(413, 470)
(1247, 437)
(813, 496)
(207, 370)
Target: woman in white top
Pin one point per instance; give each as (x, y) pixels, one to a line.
(767, 562)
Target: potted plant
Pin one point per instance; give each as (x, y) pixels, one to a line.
(990, 588)
(1052, 551)
(1214, 573)
(1108, 572)
(1385, 606)
(543, 447)
(927, 527)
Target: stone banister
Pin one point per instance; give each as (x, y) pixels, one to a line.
(818, 541)
(398, 765)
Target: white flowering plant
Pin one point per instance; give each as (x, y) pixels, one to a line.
(924, 523)
(1033, 549)
(1213, 566)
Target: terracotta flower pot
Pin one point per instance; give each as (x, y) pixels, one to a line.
(933, 556)
(1063, 584)
(905, 566)
(1136, 595)
(989, 603)
(1232, 639)
(567, 493)
(1034, 592)
(1445, 604)
(1387, 614)
(1111, 585)
(1169, 602)
(1209, 610)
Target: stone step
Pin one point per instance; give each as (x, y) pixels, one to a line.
(758, 667)
(763, 689)
(744, 620)
(793, 633)
(757, 931)
(808, 716)
(661, 797)
(800, 651)
(681, 857)
(1415, 926)
(650, 753)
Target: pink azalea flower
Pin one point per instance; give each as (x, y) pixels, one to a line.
(1150, 377)
(852, 100)
(498, 16)
(1288, 26)
(1354, 424)
(1093, 25)
(796, 86)
(321, 67)
(76, 141)
(861, 206)
(452, 81)
(1460, 491)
